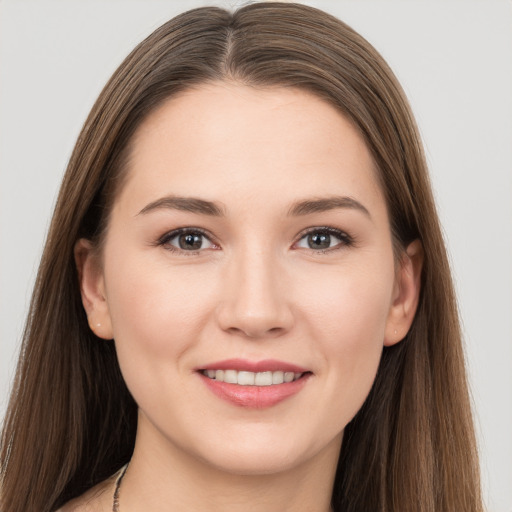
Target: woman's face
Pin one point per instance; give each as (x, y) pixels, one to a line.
(249, 246)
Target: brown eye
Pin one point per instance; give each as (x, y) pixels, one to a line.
(188, 240)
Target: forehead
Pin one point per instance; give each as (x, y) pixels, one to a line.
(225, 140)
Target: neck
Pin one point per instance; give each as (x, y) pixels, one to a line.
(162, 476)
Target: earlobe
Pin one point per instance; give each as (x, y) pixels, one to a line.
(92, 289)
(406, 294)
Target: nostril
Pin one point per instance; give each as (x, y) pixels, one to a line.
(276, 331)
(254, 332)
(253, 315)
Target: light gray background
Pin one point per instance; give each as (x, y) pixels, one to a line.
(454, 59)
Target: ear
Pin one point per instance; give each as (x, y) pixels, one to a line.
(92, 289)
(406, 294)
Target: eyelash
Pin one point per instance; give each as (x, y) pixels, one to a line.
(346, 240)
(165, 239)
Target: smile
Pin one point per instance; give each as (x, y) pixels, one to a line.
(245, 378)
(254, 384)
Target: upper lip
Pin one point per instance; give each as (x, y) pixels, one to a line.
(267, 365)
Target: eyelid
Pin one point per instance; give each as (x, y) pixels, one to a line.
(169, 235)
(346, 240)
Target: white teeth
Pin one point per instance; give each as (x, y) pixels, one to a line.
(246, 378)
(277, 377)
(230, 376)
(263, 379)
(243, 378)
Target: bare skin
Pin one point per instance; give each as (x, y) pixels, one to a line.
(97, 499)
(293, 262)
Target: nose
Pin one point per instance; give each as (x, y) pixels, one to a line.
(255, 299)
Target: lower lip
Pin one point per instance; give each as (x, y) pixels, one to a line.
(256, 397)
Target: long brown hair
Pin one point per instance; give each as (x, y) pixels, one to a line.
(71, 421)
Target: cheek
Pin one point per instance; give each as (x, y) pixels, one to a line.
(350, 306)
(347, 322)
(157, 313)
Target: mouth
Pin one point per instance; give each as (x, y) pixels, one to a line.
(245, 378)
(254, 384)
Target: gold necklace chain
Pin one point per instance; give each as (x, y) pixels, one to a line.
(115, 498)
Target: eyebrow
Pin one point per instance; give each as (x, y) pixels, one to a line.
(324, 204)
(186, 204)
(203, 207)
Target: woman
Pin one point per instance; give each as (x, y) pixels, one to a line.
(244, 297)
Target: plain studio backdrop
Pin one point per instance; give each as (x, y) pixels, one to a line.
(454, 59)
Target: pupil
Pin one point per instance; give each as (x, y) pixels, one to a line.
(319, 241)
(190, 241)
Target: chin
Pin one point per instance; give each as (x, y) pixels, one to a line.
(265, 457)
(256, 464)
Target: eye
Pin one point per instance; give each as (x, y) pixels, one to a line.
(190, 240)
(321, 239)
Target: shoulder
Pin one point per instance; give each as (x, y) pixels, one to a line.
(97, 499)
